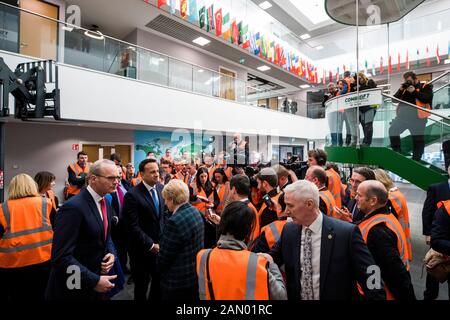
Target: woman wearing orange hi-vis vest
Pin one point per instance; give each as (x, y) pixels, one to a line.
(222, 187)
(25, 241)
(229, 271)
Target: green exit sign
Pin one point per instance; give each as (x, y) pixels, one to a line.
(242, 61)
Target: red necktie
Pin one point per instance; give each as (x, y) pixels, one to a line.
(104, 215)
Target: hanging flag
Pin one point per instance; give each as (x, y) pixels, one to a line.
(277, 54)
(271, 54)
(173, 6)
(337, 74)
(373, 69)
(316, 75)
(245, 34)
(345, 69)
(417, 59)
(427, 52)
(210, 19)
(389, 64)
(258, 44)
(226, 30)
(407, 60)
(183, 8)
(218, 16)
(330, 76)
(381, 65)
(160, 3)
(448, 50)
(282, 62)
(438, 57)
(301, 72)
(398, 62)
(193, 13)
(366, 65)
(202, 17)
(324, 79)
(234, 32)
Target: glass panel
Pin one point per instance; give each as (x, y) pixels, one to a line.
(180, 75)
(153, 67)
(203, 80)
(9, 29)
(84, 51)
(441, 98)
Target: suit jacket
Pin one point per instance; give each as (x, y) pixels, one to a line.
(181, 240)
(436, 192)
(344, 259)
(78, 240)
(143, 220)
(440, 232)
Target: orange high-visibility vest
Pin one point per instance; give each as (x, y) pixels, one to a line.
(263, 207)
(256, 226)
(225, 274)
(393, 224)
(28, 233)
(328, 198)
(398, 201)
(223, 191)
(255, 196)
(334, 185)
(184, 178)
(422, 113)
(52, 197)
(135, 181)
(73, 190)
(273, 232)
(200, 205)
(446, 204)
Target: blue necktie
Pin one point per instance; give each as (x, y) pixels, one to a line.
(155, 200)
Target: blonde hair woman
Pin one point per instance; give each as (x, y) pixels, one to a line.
(25, 241)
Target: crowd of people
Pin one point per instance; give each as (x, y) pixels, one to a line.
(212, 231)
(411, 94)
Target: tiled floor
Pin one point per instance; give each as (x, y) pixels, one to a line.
(415, 197)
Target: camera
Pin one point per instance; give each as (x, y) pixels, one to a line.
(407, 84)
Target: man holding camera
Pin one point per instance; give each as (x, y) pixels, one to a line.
(409, 118)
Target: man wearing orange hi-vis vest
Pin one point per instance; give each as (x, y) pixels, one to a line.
(398, 205)
(77, 174)
(385, 239)
(318, 157)
(318, 176)
(230, 271)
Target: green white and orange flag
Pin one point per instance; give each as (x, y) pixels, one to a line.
(226, 29)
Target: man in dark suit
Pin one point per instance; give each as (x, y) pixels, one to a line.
(181, 240)
(83, 253)
(436, 192)
(324, 258)
(144, 214)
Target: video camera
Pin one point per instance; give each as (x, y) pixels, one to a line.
(407, 84)
(294, 164)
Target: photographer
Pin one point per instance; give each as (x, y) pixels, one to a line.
(267, 184)
(409, 118)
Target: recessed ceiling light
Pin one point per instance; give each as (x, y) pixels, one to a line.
(161, 59)
(265, 5)
(201, 41)
(305, 86)
(201, 70)
(320, 47)
(263, 68)
(305, 36)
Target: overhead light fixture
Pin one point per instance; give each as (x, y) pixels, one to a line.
(319, 47)
(131, 48)
(161, 59)
(94, 33)
(263, 68)
(305, 86)
(305, 36)
(265, 5)
(201, 70)
(201, 41)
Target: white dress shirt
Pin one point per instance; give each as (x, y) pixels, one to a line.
(149, 188)
(97, 199)
(316, 237)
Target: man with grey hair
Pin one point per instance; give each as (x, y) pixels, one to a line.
(267, 184)
(324, 258)
(82, 243)
(385, 239)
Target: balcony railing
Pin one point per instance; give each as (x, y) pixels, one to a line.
(73, 45)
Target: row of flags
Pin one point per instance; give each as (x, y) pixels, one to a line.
(214, 19)
(239, 33)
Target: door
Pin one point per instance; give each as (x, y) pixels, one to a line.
(227, 84)
(92, 151)
(38, 36)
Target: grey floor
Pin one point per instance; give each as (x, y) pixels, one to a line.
(415, 197)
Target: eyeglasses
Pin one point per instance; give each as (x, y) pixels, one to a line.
(110, 178)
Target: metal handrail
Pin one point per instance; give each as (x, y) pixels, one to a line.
(417, 107)
(441, 76)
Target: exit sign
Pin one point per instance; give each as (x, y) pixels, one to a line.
(75, 147)
(242, 61)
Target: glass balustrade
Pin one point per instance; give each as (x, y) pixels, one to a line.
(92, 50)
(441, 97)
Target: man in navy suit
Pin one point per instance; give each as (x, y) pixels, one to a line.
(83, 253)
(144, 215)
(436, 193)
(324, 258)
